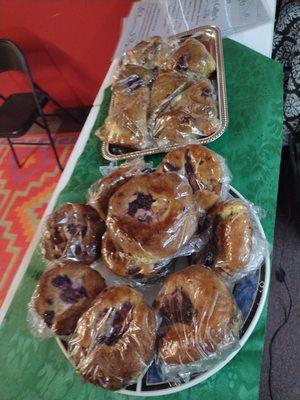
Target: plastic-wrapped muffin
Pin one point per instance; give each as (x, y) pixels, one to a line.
(100, 193)
(114, 340)
(229, 248)
(126, 123)
(202, 168)
(190, 115)
(152, 215)
(149, 53)
(132, 77)
(73, 231)
(199, 316)
(191, 58)
(164, 88)
(131, 266)
(63, 294)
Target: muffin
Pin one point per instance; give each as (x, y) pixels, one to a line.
(73, 231)
(131, 266)
(199, 316)
(152, 215)
(114, 340)
(63, 294)
(229, 248)
(203, 170)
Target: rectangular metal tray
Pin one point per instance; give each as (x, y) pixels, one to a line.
(211, 36)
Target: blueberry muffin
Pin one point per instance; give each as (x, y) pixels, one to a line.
(114, 340)
(199, 316)
(73, 231)
(64, 292)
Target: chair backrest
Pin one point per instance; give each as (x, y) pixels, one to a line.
(12, 58)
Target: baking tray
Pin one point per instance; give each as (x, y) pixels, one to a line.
(211, 36)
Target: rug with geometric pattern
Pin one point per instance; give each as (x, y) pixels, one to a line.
(24, 194)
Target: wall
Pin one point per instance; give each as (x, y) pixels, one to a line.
(69, 44)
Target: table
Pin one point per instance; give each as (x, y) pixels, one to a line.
(252, 146)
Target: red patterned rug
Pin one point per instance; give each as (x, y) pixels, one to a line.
(24, 194)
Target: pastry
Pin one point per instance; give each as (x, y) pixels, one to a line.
(114, 340)
(73, 231)
(230, 245)
(164, 88)
(132, 77)
(131, 266)
(203, 170)
(191, 58)
(126, 124)
(101, 191)
(199, 316)
(149, 53)
(152, 215)
(180, 127)
(190, 115)
(64, 292)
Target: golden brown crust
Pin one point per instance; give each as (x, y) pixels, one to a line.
(114, 340)
(152, 215)
(231, 241)
(148, 53)
(190, 115)
(198, 314)
(126, 124)
(131, 266)
(102, 191)
(73, 231)
(201, 167)
(64, 292)
(191, 57)
(164, 88)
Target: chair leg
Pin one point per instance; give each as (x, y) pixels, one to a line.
(67, 112)
(51, 142)
(14, 152)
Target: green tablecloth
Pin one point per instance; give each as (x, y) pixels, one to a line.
(37, 370)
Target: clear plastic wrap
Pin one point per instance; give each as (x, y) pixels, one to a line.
(114, 341)
(62, 294)
(190, 115)
(206, 171)
(73, 232)
(150, 53)
(126, 123)
(200, 322)
(191, 58)
(101, 191)
(152, 215)
(235, 248)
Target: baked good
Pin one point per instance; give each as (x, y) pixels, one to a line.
(199, 316)
(149, 53)
(132, 77)
(64, 292)
(190, 115)
(131, 266)
(201, 167)
(152, 215)
(164, 88)
(101, 191)
(181, 127)
(192, 58)
(230, 245)
(73, 231)
(126, 124)
(114, 340)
